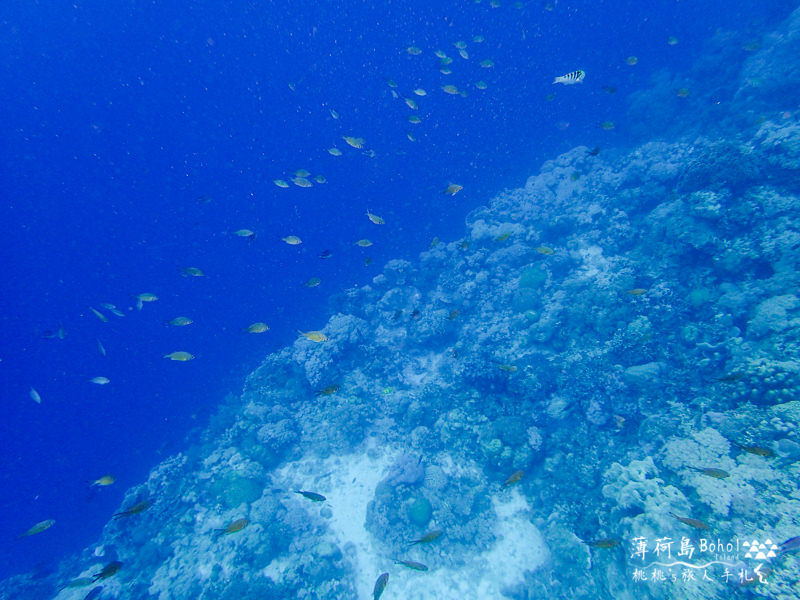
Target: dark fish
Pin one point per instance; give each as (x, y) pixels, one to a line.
(58, 334)
(325, 254)
(428, 537)
(313, 496)
(137, 508)
(594, 151)
(716, 473)
(93, 593)
(730, 378)
(757, 450)
(513, 478)
(233, 527)
(380, 585)
(610, 89)
(696, 523)
(76, 583)
(790, 545)
(416, 566)
(108, 570)
(204, 199)
(603, 543)
(327, 391)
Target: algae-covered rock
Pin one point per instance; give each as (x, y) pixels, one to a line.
(420, 512)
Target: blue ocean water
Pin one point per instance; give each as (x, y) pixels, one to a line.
(139, 137)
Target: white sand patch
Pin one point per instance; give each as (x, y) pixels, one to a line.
(276, 569)
(519, 548)
(424, 369)
(349, 482)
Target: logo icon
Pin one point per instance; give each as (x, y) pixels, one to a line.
(760, 551)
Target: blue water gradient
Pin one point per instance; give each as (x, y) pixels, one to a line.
(137, 137)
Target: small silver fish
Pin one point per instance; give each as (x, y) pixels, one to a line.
(35, 396)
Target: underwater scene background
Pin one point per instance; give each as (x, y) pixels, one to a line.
(352, 300)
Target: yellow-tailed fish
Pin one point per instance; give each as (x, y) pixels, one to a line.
(375, 219)
(38, 528)
(355, 142)
(104, 480)
(248, 234)
(334, 151)
(98, 314)
(179, 321)
(100, 380)
(281, 183)
(364, 243)
(327, 391)
(712, 472)
(257, 328)
(453, 188)
(192, 272)
(180, 355)
(144, 297)
(314, 336)
(137, 508)
(301, 182)
(292, 240)
(313, 282)
(428, 537)
(100, 348)
(112, 309)
(233, 527)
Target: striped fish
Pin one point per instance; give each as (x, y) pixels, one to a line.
(570, 78)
